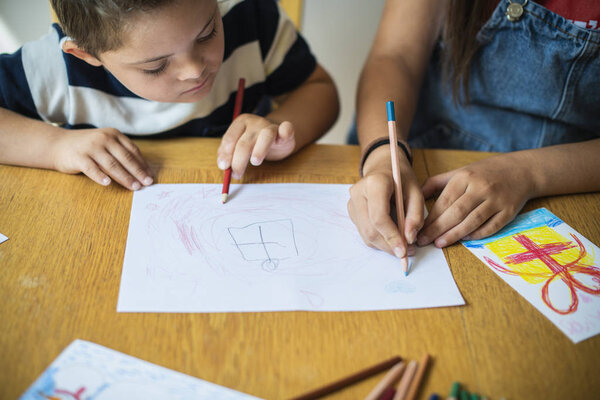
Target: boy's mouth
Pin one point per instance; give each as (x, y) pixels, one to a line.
(197, 87)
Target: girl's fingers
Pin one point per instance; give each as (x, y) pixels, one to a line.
(414, 206)
(229, 142)
(130, 162)
(450, 194)
(491, 226)
(92, 171)
(436, 184)
(451, 217)
(357, 212)
(475, 219)
(379, 193)
(112, 167)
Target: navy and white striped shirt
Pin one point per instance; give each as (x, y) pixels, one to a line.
(41, 81)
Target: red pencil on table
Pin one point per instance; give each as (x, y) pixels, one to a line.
(237, 109)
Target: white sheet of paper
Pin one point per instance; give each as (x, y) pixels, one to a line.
(271, 247)
(3, 238)
(86, 370)
(550, 264)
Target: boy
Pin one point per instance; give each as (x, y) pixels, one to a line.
(160, 67)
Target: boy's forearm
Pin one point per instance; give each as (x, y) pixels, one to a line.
(25, 141)
(562, 169)
(312, 108)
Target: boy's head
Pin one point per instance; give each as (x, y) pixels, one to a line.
(161, 50)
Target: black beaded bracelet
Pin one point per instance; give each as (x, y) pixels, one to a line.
(378, 143)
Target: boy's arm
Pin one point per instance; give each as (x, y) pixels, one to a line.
(312, 109)
(98, 153)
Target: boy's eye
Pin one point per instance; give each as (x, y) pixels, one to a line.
(207, 37)
(156, 71)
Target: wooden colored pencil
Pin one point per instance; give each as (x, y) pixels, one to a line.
(388, 394)
(388, 380)
(391, 116)
(237, 109)
(402, 388)
(349, 380)
(416, 382)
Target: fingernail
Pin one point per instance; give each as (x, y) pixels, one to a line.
(412, 236)
(236, 175)
(255, 161)
(136, 186)
(147, 181)
(221, 164)
(467, 237)
(411, 251)
(423, 241)
(106, 181)
(398, 252)
(441, 243)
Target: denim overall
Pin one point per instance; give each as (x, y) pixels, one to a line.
(534, 82)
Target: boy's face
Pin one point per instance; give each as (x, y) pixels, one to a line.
(172, 54)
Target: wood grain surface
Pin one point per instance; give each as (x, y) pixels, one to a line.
(61, 268)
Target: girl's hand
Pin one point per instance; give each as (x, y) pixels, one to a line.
(251, 138)
(369, 205)
(477, 200)
(102, 154)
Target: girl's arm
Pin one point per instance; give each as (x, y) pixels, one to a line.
(393, 71)
(479, 199)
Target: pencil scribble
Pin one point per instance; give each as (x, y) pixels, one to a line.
(266, 241)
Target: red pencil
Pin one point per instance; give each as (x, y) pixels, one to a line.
(237, 109)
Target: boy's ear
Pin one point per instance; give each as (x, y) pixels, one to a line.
(70, 47)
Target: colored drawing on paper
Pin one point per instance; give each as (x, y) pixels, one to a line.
(273, 247)
(551, 262)
(541, 255)
(87, 371)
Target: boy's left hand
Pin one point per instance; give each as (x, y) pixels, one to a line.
(476, 201)
(251, 138)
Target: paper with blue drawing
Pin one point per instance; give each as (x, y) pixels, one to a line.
(86, 370)
(271, 247)
(550, 264)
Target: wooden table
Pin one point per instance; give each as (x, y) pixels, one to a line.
(61, 270)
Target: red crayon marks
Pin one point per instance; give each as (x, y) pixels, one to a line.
(555, 270)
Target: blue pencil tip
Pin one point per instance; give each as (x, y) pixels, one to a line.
(391, 114)
(405, 273)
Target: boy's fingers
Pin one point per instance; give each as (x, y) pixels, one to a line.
(285, 131)
(357, 209)
(241, 155)
(130, 162)
(229, 142)
(265, 139)
(92, 171)
(112, 167)
(132, 147)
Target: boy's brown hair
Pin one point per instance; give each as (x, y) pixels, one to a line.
(97, 26)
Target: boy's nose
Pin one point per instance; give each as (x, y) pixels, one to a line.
(191, 68)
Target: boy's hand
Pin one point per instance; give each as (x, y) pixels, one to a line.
(476, 201)
(102, 154)
(251, 138)
(369, 205)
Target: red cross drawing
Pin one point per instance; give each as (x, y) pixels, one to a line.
(556, 270)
